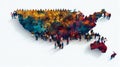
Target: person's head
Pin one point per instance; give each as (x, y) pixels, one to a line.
(103, 11)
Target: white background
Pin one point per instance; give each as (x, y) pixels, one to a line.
(19, 49)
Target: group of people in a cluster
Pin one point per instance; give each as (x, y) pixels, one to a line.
(99, 44)
(59, 25)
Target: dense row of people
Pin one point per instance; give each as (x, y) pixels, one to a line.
(59, 25)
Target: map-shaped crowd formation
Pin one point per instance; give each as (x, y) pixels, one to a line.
(58, 25)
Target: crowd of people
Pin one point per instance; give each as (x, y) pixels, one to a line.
(59, 25)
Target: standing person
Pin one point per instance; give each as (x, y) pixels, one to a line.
(98, 41)
(113, 55)
(62, 44)
(96, 35)
(14, 14)
(109, 16)
(58, 43)
(92, 33)
(50, 38)
(36, 35)
(105, 39)
(55, 45)
(103, 11)
(85, 36)
(88, 37)
(67, 40)
(102, 39)
(80, 37)
(11, 15)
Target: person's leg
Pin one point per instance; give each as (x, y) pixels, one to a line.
(62, 45)
(50, 40)
(59, 46)
(12, 16)
(55, 45)
(36, 37)
(111, 57)
(95, 36)
(67, 41)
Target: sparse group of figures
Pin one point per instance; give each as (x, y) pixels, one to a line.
(59, 40)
